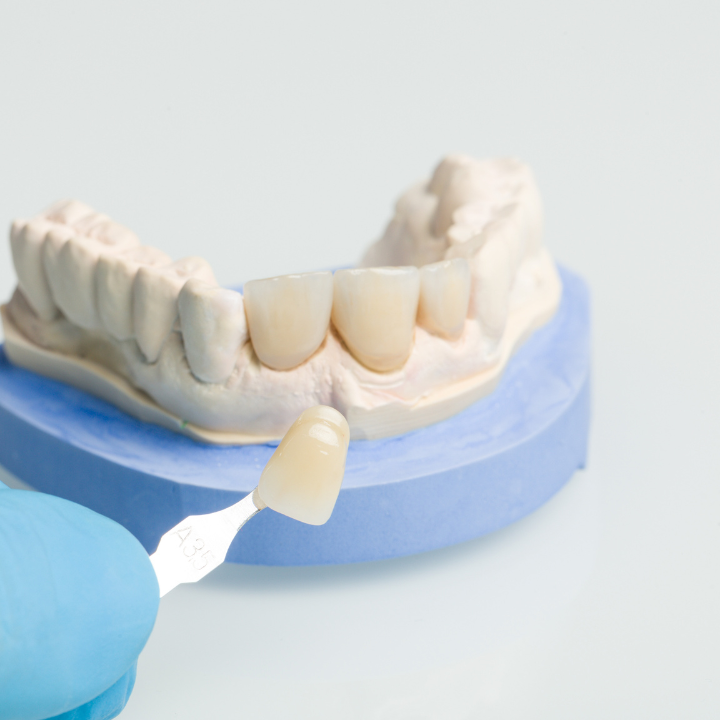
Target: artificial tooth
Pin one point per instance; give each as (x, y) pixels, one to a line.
(467, 182)
(26, 243)
(114, 278)
(155, 296)
(374, 311)
(303, 477)
(288, 316)
(444, 297)
(213, 325)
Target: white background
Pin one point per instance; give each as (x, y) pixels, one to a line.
(274, 137)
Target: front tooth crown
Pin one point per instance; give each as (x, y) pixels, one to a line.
(374, 311)
(303, 477)
(114, 277)
(213, 325)
(444, 297)
(155, 301)
(26, 244)
(288, 317)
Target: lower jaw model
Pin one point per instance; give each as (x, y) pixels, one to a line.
(422, 328)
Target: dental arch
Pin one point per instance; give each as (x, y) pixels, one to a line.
(423, 327)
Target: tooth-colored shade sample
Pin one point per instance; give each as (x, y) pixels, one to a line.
(444, 297)
(288, 316)
(114, 277)
(213, 325)
(374, 311)
(303, 477)
(155, 296)
(26, 243)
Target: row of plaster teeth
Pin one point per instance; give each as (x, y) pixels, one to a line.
(99, 276)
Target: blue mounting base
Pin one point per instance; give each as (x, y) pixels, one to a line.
(476, 472)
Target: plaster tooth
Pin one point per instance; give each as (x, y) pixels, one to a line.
(288, 316)
(114, 277)
(26, 243)
(374, 311)
(303, 477)
(155, 300)
(444, 297)
(67, 212)
(444, 171)
(214, 328)
(493, 272)
(71, 276)
(466, 182)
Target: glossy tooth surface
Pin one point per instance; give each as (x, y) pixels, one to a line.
(303, 477)
(213, 325)
(493, 272)
(155, 296)
(444, 297)
(374, 311)
(288, 316)
(114, 277)
(26, 243)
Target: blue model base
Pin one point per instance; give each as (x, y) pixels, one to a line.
(480, 470)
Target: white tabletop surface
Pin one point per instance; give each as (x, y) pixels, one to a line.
(274, 137)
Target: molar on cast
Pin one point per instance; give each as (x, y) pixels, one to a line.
(288, 316)
(444, 297)
(303, 477)
(26, 244)
(374, 310)
(466, 182)
(114, 277)
(67, 212)
(214, 328)
(155, 301)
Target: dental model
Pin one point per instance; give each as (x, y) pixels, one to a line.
(420, 330)
(301, 480)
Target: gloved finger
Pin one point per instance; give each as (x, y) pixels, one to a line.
(106, 706)
(78, 600)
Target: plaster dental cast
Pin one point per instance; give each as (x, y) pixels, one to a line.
(421, 329)
(79, 595)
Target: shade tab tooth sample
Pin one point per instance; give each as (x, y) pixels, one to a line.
(444, 297)
(303, 477)
(155, 300)
(114, 277)
(26, 244)
(214, 328)
(374, 310)
(288, 316)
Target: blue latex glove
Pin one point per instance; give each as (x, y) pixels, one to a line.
(78, 600)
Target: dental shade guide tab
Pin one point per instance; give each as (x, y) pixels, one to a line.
(302, 480)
